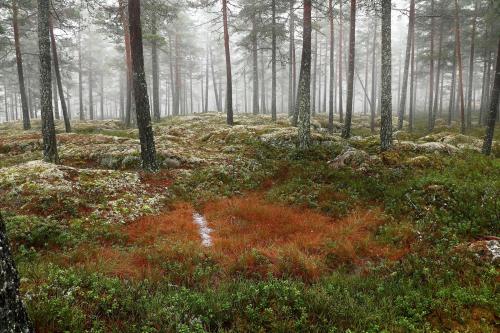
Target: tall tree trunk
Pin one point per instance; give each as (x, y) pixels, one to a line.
(19, 62)
(55, 60)
(102, 94)
(54, 95)
(471, 69)
(318, 106)
(438, 76)
(325, 84)
(341, 41)
(332, 68)
(346, 131)
(314, 73)
(80, 72)
(386, 98)
(430, 95)
(206, 82)
(484, 86)
(273, 61)
(255, 70)
(148, 151)
(129, 104)
(263, 84)
(122, 105)
(460, 71)
(229, 79)
(13, 315)
(48, 128)
(155, 70)
(303, 108)
(374, 80)
(245, 87)
(214, 81)
(292, 68)
(409, 38)
(493, 114)
(451, 105)
(177, 95)
(91, 94)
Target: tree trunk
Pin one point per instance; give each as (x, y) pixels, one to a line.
(102, 94)
(303, 108)
(48, 128)
(332, 68)
(430, 93)
(80, 73)
(341, 37)
(206, 82)
(386, 98)
(273, 61)
(19, 62)
(493, 114)
(128, 61)
(292, 70)
(148, 151)
(229, 79)
(245, 88)
(314, 73)
(54, 95)
(471, 69)
(409, 38)
(374, 80)
(122, 105)
(155, 71)
(55, 60)
(460, 77)
(451, 104)
(438, 76)
(484, 86)
(255, 70)
(346, 131)
(177, 69)
(13, 315)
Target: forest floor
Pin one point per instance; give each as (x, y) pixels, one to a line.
(241, 232)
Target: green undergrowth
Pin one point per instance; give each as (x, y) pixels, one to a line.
(431, 210)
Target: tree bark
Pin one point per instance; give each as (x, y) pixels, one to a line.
(273, 61)
(292, 71)
(438, 76)
(460, 77)
(303, 108)
(206, 82)
(80, 74)
(229, 79)
(409, 38)
(314, 73)
(471, 69)
(374, 80)
(148, 151)
(13, 315)
(492, 116)
(155, 70)
(332, 68)
(19, 62)
(55, 60)
(48, 128)
(430, 95)
(255, 70)
(341, 37)
(346, 131)
(386, 98)
(128, 61)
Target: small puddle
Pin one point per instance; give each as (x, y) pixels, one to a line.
(204, 230)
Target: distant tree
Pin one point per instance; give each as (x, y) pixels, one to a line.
(13, 315)
(303, 108)
(148, 151)
(19, 62)
(48, 128)
(55, 60)
(332, 67)
(409, 40)
(386, 97)
(458, 51)
(493, 114)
